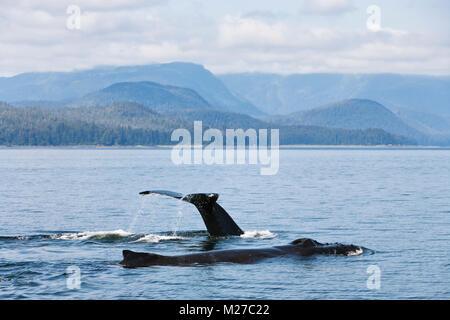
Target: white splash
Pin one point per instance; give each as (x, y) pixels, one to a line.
(357, 252)
(157, 238)
(97, 235)
(258, 234)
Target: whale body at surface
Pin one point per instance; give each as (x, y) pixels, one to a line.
(299, 247)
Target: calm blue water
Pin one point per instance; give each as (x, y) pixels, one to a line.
(63, 207)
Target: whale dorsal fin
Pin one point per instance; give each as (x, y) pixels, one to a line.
(218, 222)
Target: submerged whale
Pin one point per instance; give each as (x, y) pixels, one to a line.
(299, 247)
(219, 223)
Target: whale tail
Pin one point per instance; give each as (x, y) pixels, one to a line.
(218, 222)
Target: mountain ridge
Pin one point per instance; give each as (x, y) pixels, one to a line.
(151, 94)
(56, 86)
(354, 114)
(284, 94)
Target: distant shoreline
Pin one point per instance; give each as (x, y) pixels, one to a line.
(283, 147)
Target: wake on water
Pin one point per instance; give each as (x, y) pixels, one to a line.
(129, 237)
(121, 235)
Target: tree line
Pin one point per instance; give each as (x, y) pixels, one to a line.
(131, 124)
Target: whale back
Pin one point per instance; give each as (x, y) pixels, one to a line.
(306, 243)
(133, 259)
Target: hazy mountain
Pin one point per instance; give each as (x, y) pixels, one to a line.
(134, 124)
(426, 122)
(151, 94)
(41, 103)
(56, 86)
(278, 94)
(353, 114)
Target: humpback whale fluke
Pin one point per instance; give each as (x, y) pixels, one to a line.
(218, 222)
(299, 247)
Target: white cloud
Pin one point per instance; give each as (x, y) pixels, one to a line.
(290, 47)
(324, 7)
(61, 5)
(251, 33)
(146, 32)
(236, 31)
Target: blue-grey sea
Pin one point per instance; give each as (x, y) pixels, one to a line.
(67, 214)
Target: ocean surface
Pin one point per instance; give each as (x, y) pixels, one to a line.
(67, 214)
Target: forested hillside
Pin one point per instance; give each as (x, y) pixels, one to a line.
(134, 124)
(150, 94)
(426, 129)
(83, 126)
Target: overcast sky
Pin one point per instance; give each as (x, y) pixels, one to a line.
(279, 36)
